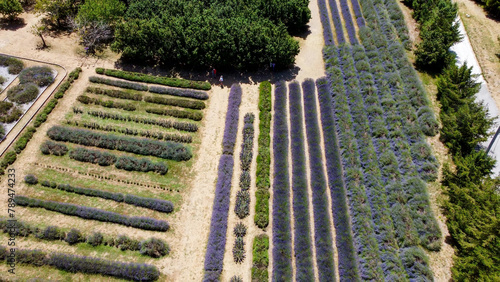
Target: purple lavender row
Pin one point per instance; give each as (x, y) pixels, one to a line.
(382, 222)
(302, 233)
(346, 14)
(348, 268)
(323, 233)
(231, 125)
(368, 257)
(337, 22)
(282, 233)
(357, 12)
(325, 22)
(218, 225)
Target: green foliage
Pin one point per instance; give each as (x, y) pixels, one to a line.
(14, 65)
(492, 6)
(74, 236)
(10, 8)
(57, 10)
(31, 179)
(23, 93)
(260, 258)
(100, 10)
(154, 247)
(23, 140)
(9, 158)
(234, 34)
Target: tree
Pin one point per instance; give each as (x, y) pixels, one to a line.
(10, 8)
(106, 11)
(39, 30)
(57, 10)
(94, 35)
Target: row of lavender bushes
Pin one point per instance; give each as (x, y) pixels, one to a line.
(242, 205)
(94, 213)
(281, 228)
(337, 21)
(165, 123)
(216, 245)
(302, 232)
(140, 146)
(149, 203)
(83, 264)
(323, 240)
(180, 138)
(348, 23)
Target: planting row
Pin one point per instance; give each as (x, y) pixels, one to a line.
(216, 245)
(264, 156)
(165, 149)
(95, 214)
(242, 205)
(73, 263)
(302, 232)
(149, 203)
(106, 103)
(240, 230)
(260, 257)
(169, 81)
(196, 116)
(323, 240)
(282, 233)
(151, 247)
(348, 23)
(134, 132)
(183, 126)
(197, 105)
(325, 22)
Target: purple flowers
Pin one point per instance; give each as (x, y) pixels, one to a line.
(346, 13)
(325, 22)
(337, 22)
(231, 126)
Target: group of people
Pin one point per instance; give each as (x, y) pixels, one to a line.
(214, 75)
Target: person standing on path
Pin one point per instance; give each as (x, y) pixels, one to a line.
(214, 73)
(221, 79)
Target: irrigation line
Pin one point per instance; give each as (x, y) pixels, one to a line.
(44, 102)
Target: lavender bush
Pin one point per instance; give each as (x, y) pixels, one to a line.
(232, 116)
(357, 13)
(95, 214)
(302, 233)
(337, 22)
(118, 83)
(346, 14)
(188, 93)
(325, 22)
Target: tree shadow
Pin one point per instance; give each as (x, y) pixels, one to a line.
(13, 25)
(230, 76)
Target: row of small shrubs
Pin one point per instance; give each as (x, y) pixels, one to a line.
(118, 83)
(134, 132)
(161, 149)
(14, 66)
(149, 203)
(52, 148)
(232, 117)
(260, 258)
(196, 116)
(187, 93)
(95, 214)
(240, 230)
(183, 126)
(169, 81)
(92, 156)
(115, 93)
(73, 263)
(183, 103)
(84, 99)
(242, 205)
(143, 165)
(21, 143)
(262, 194)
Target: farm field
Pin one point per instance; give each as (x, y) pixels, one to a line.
(324, 172)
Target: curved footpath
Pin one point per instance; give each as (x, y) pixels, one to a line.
(465, 54)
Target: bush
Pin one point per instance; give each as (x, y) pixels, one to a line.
(239, 250)
(165, 150)
(5, 106)
(118, 83)
(92, 156)
(14, 65)
(95, 214)
(183, 103)
(23, 140)
(95, 239)
(144, 165)
(236, 279)
(175, 82)
(154, 248)
(32, 257)
(106, 103)
(115, 93)
(74, 237)
(124, 243)
(14, 115)
(150, 203)
(9, 158)
(260, 258)
(31, 179)
(74, 74)
(242, 206)
(52, 148)
(41, 76)
(245, 180)
(232, 116)
(51, 233)
(42, 116)
(196, 116)
(187, 93)
(240, 230)
(23, 93)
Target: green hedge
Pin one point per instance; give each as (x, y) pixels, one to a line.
(169, 81)
(196, 116)
(260, 258)
(264, 156)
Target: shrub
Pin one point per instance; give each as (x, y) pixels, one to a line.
(33, 257)
(150, 203)
(23, 93)
(176, 82)
(92, 156)
(31, 179)
(196, 116)
(106, 103)
(245, 180)
(5, 106)
(51, 233)
(2, 79)
(232, 116)
(74, 74)
(41, 76)
(52, 148)
(144, 165)
(95, 239)
(118, 83)
(14, 65)
(154, 248)
(239, 250)
(260, 258)
(42, 116)
(242, 205)
(165, 150)
(236, 279)
(74, 237)
(9, 158)
(115, 93)
(124, 243)
(183, 103)
(14, 115)
(240, 230)
(187, 93)
(93, 213)
(23, 140)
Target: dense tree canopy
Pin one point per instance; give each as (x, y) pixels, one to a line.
(492, 6)
(100, 10)
(10, 8)
(221, 33)
(57, 10)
